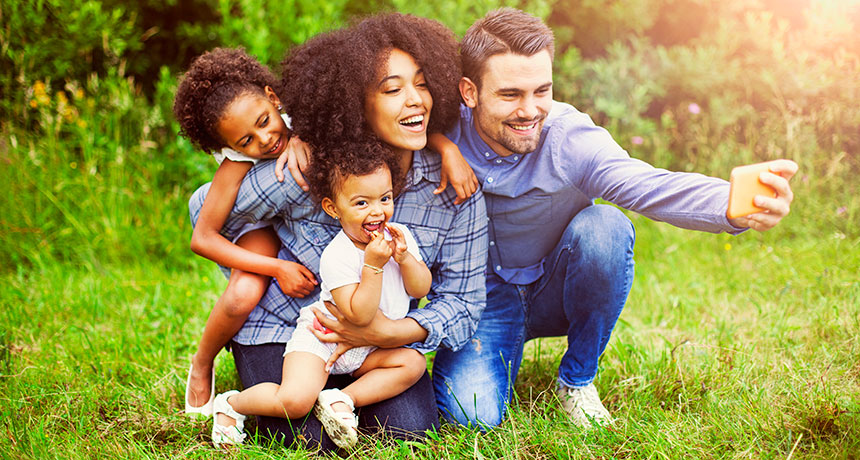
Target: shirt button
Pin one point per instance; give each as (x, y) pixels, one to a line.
(492, 243)
(490, 180)
(516, 158)
(487, 154)
(498, 267)
(498, 160)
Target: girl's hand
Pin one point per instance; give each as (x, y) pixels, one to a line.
(456, 170)
(296, 156)
(295, 279)
(378, 251)
(775, 208)
(397, 243)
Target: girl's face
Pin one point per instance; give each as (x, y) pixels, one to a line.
(252, 125)
(398, 107)
(362, 204)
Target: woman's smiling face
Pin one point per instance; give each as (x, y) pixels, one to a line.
(398, 107)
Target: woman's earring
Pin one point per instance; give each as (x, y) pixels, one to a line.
(280, 108)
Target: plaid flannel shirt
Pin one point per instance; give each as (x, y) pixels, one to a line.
(452, 240)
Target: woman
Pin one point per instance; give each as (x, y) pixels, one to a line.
(391, 76)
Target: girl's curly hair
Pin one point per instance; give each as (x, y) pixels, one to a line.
(214, 80)
(326, 80)
(326, 173)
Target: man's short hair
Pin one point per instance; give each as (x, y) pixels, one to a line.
(505, 30)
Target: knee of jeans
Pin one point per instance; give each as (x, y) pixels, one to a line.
(476, 403)
(602, 233)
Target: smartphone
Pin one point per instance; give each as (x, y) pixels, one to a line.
(745, 186)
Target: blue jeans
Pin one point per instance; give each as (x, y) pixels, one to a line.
(405, 416)
(581, 294)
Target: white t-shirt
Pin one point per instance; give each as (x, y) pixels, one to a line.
(341, 264)
(233, 155)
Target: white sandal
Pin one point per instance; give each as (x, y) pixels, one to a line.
(206, 409)
(341, 427)
(227, 435)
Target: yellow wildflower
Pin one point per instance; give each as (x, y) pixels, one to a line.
(728, 246)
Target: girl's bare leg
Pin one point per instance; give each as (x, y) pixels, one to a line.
(303, 378)
(384, 374)
(243, 292)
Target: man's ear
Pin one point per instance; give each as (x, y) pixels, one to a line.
(270, 93)
(469, 92)
(328, 206)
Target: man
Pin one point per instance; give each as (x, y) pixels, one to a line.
(558, 264)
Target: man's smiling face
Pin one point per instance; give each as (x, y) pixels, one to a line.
(513, 100)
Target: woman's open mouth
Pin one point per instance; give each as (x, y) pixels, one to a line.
(413, 123)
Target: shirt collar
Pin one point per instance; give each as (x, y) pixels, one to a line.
(420, 169)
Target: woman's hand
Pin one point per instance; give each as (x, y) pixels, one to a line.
(295, 279)
(296, 156)
(347, 335)
(774, 208)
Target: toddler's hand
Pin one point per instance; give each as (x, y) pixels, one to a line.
(397, 243)
(295, 279)
(378, 251)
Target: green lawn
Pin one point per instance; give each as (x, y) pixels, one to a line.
(729, 347)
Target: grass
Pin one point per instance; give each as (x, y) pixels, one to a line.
(741, 347)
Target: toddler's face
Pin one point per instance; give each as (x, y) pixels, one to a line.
(252, 125)
(363, 205)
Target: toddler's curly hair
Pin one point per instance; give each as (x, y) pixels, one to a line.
(326, 80)
(326, 173)
(213, 81)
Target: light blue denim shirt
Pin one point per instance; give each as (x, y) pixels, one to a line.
(452, 240)
(531, 198)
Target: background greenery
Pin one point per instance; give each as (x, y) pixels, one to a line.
(728, 347)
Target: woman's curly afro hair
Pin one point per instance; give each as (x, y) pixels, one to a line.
(214, 80)
(327, 172)
(326, 80)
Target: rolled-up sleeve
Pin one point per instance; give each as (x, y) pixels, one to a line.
(458, 294)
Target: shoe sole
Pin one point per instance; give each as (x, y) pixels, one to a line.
(340, 434)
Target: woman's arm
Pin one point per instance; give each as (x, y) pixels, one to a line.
(207, 241)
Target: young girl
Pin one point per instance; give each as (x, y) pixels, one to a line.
(226, 105)
(371, 264)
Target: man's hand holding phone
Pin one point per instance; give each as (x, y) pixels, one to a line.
(760, 194)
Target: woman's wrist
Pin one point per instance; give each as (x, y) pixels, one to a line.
(397, 333)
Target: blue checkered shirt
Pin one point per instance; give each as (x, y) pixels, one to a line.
(452, 240)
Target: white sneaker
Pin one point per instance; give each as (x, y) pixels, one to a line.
(583, 405)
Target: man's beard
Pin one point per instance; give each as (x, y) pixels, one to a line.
(521, 145)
